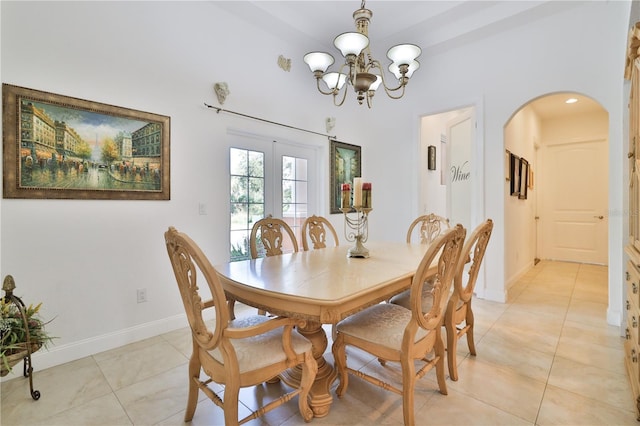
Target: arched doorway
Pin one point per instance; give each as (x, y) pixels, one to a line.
(564, 215)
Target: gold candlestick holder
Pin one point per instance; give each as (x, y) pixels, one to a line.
(357, 229)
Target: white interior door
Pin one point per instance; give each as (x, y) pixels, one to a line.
(573, 201)
(461, 167)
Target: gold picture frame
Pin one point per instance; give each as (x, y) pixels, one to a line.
(524, 177)
(514, 173)
(507, 165)
(60, 147)
(345, 164)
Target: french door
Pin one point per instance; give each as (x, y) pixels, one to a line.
(269, 178)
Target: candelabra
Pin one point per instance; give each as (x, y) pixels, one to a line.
(357, 229)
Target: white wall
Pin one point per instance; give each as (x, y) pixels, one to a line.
(85, 259)
(520, 137)
(580, 128)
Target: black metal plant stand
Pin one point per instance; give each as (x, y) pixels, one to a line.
(8, 285)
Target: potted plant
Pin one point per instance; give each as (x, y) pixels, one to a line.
(22, 330)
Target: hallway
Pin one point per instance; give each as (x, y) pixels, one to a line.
(547, 357)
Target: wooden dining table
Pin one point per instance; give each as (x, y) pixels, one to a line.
(321, 287)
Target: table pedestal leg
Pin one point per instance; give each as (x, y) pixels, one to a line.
(320, 397)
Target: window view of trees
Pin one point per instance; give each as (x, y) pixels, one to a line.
(247, 198)
(294, 193)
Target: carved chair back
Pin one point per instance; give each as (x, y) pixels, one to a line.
(431, 226)
(272, 232)
(315, 229)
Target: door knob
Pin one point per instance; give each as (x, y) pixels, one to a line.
(599, 217)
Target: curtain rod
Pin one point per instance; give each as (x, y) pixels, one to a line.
(218, 110)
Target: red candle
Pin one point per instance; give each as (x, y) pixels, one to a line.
(366, 195)
(346, 196)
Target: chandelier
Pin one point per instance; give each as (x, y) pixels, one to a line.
(360, 69)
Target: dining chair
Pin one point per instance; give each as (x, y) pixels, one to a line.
(315, 229)
(271, 232)
(431, 225)
(394, 333)
(459, 320)
(459, 307)
(235, 353)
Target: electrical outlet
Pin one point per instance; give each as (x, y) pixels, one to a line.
(142, 295)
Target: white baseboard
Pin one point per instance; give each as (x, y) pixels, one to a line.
(519, 274)
(494, 295)
(501, 295)
(510, 282)
(615, 318)
(57, 355)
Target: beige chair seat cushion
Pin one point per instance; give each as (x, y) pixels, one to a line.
(381, 324)
(260, 351)
(402, 299)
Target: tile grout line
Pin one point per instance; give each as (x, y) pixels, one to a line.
(564, 320)
(113, 391)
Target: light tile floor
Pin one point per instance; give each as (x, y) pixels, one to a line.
(546, 357)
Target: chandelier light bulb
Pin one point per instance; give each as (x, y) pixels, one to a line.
(334, 80)
(318, 61)
(351, 43)
(403, 53)
(395, 69)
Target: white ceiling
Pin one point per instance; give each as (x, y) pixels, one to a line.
(433, 25)
(554, 106)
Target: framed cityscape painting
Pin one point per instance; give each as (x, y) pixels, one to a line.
(61, 147)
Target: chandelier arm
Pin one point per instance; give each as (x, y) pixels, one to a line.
(390, 91)
(330, 92)
(344, 96)
(351, 73)
(376, 64)
(372, 63)
(349, 69)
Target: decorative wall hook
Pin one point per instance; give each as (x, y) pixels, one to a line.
(330, 123)
(222, 90)
(284, 63)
